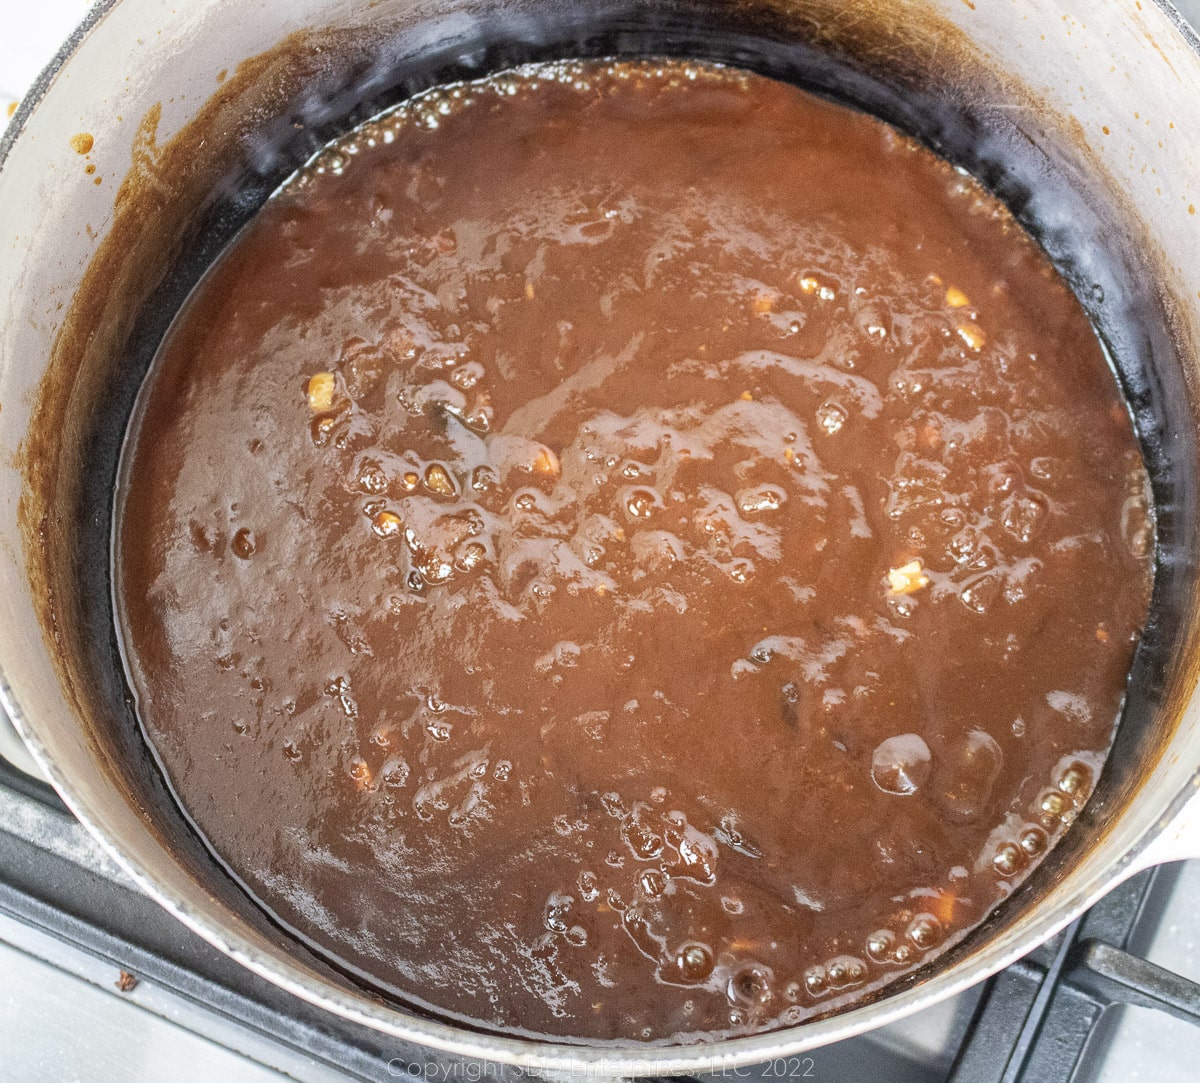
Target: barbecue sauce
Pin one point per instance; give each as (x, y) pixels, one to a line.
(631, 551)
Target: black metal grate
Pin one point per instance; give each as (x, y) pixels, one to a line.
(1036, 1019)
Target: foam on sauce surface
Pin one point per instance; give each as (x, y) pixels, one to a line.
(622, 551)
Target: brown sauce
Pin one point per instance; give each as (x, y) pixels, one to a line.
(630, 551)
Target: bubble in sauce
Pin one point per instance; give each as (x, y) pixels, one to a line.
(831, 416)
(881, 943)
(1024, 515)
(558, 907)
(697, 858)
(815, 981)
(589, 886)
(1009, 859)
(751, 985)
(471, 555)
(693, 962)
(466, 376)
(765, 498)
(483, 479)
(1033, 841)
(653, 882)
(371, 477)
(952, 517)
(741, 571)
(395, 773)
(968, 767)
(1076, 780)
(640, 503)
(244, 544)
(576, 936)
(980, 595)
(1053, 803)
(924, 931)
(901, 764)
(645, 843)
(845, 970)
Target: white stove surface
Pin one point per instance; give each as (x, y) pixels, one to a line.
(62, 1019)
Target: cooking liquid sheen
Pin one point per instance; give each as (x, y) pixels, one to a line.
(630, 551)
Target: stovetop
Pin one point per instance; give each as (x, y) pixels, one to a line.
(97, 982)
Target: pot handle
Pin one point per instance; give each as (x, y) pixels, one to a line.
(1178, 836)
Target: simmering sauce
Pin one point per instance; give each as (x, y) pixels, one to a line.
(624, 551)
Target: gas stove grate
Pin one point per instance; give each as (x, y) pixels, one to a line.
(1035, 1020)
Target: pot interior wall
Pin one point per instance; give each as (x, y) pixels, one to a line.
(273, 114)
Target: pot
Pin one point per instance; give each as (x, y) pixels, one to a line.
(156, 133)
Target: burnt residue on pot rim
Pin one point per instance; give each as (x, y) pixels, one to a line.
(182, 201)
